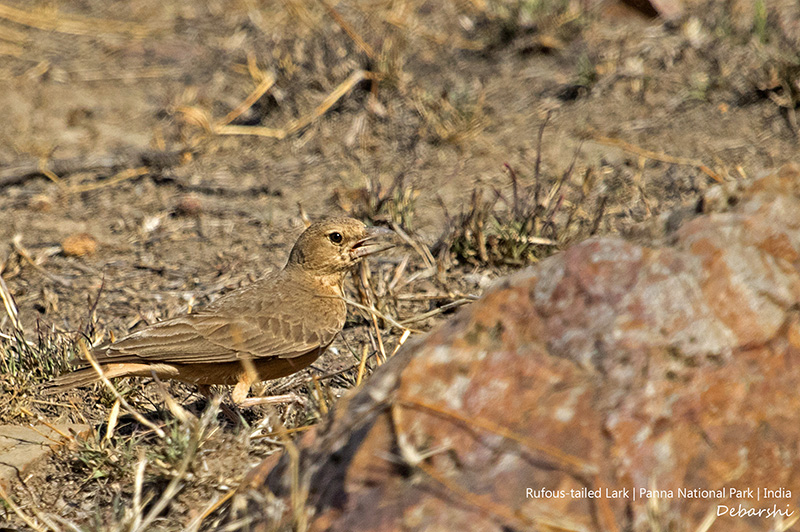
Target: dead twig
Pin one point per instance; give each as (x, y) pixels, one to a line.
(17, 243)
(52, 20)
(434, 312)
(9, 305)
(199, 117)
(654, 155)
(140, 418)
(28, 520)
(348, 29)
(152, 159)
(266, 84)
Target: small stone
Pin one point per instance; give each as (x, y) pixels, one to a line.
(188, 206)
(79, 244)
(40, 203)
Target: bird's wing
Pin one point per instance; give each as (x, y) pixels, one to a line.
(212, 337)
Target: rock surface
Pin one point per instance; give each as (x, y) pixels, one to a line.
(21, 447)
(612, 366)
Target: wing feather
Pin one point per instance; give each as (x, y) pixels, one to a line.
(233, 328)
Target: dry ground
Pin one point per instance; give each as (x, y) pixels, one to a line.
(491, 133)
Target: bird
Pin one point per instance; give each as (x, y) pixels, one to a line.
(276, 326)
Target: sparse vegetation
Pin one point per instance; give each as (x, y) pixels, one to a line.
(467, 126)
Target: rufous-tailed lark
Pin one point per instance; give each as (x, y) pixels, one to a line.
(272, 328)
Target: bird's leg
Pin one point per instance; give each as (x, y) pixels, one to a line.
(241, 389)
(230, 413)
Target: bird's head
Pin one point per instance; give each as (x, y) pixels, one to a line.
(334, 245)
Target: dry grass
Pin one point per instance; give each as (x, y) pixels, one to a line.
(358, 59)
(535, 217)
(149, 453)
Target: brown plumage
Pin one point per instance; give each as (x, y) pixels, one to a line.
(272, 328)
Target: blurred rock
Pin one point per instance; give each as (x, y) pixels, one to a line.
(188, 205)
(79, 244)
(611, 366)
(40, 203)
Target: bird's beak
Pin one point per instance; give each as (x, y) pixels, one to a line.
(375, 242)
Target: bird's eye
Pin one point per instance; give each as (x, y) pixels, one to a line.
(335, 237)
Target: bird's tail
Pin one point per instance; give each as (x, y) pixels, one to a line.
(74, 379)
(88, 375)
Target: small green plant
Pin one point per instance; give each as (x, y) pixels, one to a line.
(98, 457)
(23, 360)
(377, 203)
(587, 73)
(524, 226)
(503, 230)
(760, 20)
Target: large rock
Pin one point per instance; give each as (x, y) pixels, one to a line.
(666, 377)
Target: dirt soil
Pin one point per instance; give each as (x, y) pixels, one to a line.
(490, 133)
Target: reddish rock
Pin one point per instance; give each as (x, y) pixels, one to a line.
(611, 366)
(189, 205)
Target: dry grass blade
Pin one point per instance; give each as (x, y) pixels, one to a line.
(437, 311)
(299, 491)
(348, 29)
(201, 119)
(111, 425)
(274, 399)
(323, 403)
(28, 520)
(47, 172)
(9, 305)
(137, 489)
(40, 419)
(194, 526)
(140, 418)
(391, 321)
(266, 84)
(124, 175)
(421, 249)
(17, 243)
(401, 341)
(379, 337)
(256, 131)
(343, 88)
(656, 156)
(180, 413)
(283, 432)
(62, 23)
(362, 366)
(174, 485)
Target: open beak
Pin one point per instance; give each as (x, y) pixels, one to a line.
(375, 242)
